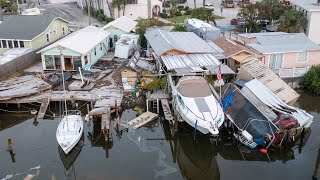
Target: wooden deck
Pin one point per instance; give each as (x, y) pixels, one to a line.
(158, 95)
(106, 94)
(142, 119)
(21, 87)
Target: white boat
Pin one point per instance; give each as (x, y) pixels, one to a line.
(69, 131)
(196, 105)
(70, 128)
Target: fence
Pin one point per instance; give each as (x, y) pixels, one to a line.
(19, 64)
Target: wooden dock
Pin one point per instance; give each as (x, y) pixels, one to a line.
(107, 94)
(43, 107)
(166, 110)
(21, 87)
(143, 119)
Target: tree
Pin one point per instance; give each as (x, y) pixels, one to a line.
(249, 15)
(195, 4)
(311, 80)
(2, 3)
(269, 10)
(124, 4)
(144, 24)
(203, 3)
(117, 4)
(173, 3)
(292, 21)
(204, 14)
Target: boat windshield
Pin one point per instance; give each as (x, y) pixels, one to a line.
(194, 88)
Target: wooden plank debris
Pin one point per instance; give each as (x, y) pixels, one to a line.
(143, 119)
(43, 107)
(98, 111)
(21, 87)
(166, 110)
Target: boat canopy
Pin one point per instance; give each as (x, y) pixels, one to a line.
(256, 120)
(193, 86)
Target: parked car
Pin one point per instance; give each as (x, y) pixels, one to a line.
(209, 6)
(238, 22)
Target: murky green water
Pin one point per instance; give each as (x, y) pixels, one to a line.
(150, 153)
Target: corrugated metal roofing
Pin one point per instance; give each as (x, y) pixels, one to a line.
(282, 42)
(81, 41)
(123, 23)
(188, 42)
(24, 27)
(194, 62)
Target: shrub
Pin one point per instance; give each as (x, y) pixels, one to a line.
(108, 19)
(163, 15)
(180, 27)
(311, 80)
(166, 4)
(178, 13)
(188, 12)
(186, 8)
(180, 8)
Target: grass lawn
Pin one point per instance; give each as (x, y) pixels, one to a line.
(180, 19)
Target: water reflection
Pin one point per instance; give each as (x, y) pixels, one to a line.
(69, 159)
(316, 173)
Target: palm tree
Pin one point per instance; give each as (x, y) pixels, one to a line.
(117, 4)
(124, 3)
(194, 2)
(292, 21)
(204, 3)
(2, 3)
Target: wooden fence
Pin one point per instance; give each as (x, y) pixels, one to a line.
(19, 64)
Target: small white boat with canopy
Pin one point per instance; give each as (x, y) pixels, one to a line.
(196, 104)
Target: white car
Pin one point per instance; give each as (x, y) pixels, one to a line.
(209, 6)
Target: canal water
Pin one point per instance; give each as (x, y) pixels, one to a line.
(151, 152)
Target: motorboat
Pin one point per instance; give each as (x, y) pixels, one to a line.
(196, 105)
(260, 117)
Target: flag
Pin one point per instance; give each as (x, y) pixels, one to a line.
(219, 75)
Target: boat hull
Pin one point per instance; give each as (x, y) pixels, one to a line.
(69, 132)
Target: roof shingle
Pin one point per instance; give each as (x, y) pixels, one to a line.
(24, 27)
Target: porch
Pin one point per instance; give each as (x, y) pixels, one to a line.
(291, 72)
(58, 62)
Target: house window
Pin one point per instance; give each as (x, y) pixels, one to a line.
(4, 43)
(15, 43)
(21, 44)
(95, 51)
(54, 32)
(302, 56)
(63, 31)
(276, 61)
(85, 59)
(101, 46)
(115, 38)
(10, 44)
(48, 37)
(48, 62)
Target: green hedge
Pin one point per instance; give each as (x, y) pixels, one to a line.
(311, 80)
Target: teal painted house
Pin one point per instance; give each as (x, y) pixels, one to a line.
(116, 28)
(82, 48)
